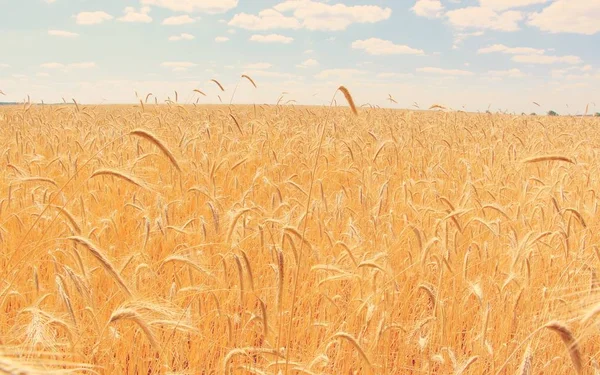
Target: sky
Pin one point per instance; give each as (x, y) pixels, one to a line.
(471, 55)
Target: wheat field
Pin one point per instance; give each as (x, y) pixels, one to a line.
(178, 239)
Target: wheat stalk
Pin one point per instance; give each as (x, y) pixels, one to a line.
(102, 259)
(567, 337)
(153, 139)
(349, 99)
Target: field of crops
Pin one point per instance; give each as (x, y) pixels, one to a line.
(297, 240)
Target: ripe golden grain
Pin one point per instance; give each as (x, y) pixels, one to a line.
(102, 259)
(569, 340)
(119, 174)
(218, 84)
(429, 242)
(249, 79)
(134, 316)
(152, 138)
(537, 159)
(349, 99)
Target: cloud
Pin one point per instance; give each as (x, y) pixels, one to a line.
(272, 38)
(266, 20)
(568, 16)
(511, 73)
(376, 46)
(92, 18)
(501, 48)
(81, 65)
(462, 36)
(310, 15)
(63, 34)
(132, 16)
(183, 36)
(391, 76)
(42, 74)
(428, 8)
(2, 66)
(509, 4)
(310, 63)
(221, 39)
(178, 20)
(529, 55)
(332, 17)
(269, 74)
(545, 60)
(258, 66)
(340, 73)
(190, 6)
(52, 66)
(576, 73)
(178, 66)
(446, 72)
(484, 18)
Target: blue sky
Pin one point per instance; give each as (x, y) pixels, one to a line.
(471, 54)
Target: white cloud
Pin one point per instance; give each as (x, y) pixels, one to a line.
(178, 66)
(509, 4)
(460, 37)
(376, 46)
(52, 66)
(178, 20)
(511, 73)
(55, 65)
(340, 73)
(268, 74)
(83, 65)
(428, 8)
(266, 20)
(321, 16)
(184, 36)
(258, 66)
(309, 51)
(272, 38)
(92, 18)
(4, 66)
(190, 6)
(131, 15)
(231, 31)
(310, 63)
(529, 55)
(221, 39)
(42, 74)
(568, 16)
(501, 48)
(50, 1)
(484, 18)
(311, 15)
(446, 72)
(63, 34)
(391, 76)
(544, 59)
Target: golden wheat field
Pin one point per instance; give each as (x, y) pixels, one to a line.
(171, 239)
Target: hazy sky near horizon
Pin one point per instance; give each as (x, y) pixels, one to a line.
(465, 54)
